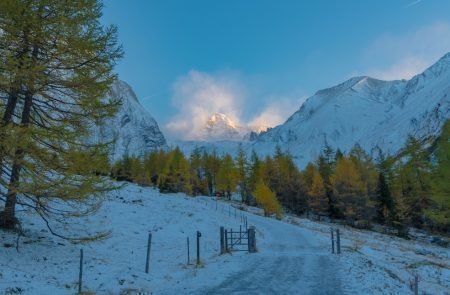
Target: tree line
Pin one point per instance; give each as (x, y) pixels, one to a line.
(408, 189)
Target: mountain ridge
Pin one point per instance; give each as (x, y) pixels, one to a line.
(365, 110)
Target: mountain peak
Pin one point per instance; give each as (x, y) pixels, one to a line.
(219, 119)
(220, 127)
(121, 89)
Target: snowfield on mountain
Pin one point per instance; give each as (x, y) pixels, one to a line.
(133, 130)
(367, 111)
(294, 254)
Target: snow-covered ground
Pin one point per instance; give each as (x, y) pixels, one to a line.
(293, 254)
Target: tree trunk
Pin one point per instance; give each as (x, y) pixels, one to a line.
(8, 216)
(14, 92)
(7, 118)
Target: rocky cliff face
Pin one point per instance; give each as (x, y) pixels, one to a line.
(133, 129)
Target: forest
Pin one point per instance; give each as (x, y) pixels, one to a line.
(410, 189)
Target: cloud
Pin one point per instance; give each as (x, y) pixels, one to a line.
(414, 3)
(276, 112)
(409, 54)
(198, 95)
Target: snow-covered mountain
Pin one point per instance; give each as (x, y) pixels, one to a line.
(367, 111)
(220, 134)
(134, 130)
(219, 127)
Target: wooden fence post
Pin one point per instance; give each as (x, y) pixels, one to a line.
(251, 239)
(198, 247)
(231, 238)
(226, 240)
(222, 242)
(149, 246)
(332, 240)
(240, 234)
(80, 275)
(188, 254)
(338, 241)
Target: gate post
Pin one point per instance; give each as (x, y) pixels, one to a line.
(251, 240)
(332, 240)
(226, 240)
(222, 242)
(338, 241)
(198, 247)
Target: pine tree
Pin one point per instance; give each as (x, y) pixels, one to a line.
(57, 67)
(384, 201)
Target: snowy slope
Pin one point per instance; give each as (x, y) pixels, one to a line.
(293, 254)
(367, 111)
(134, 129)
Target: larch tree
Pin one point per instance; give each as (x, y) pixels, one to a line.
(318, 201)
(256, 174)
(176, 175)
(227, 176)
(198, 179)
(439, 211)
(242, 173)
(267, 200)
(350, 191)
(211, 164)
(413, 183)
(57, 68)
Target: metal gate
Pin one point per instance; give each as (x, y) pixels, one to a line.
(237, 240)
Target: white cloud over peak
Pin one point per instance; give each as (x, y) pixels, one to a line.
(198, 95)
(411, 53)
(276, 112)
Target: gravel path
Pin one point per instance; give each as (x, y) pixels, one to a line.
(290, 261)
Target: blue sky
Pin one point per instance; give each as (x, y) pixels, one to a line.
(257, 60)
